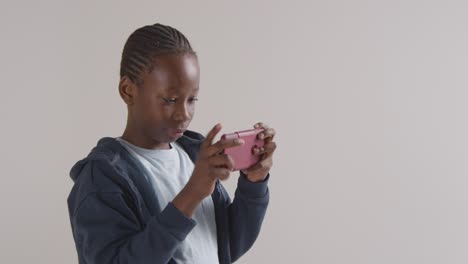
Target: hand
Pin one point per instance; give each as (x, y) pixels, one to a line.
(260, 170)
(212, 164)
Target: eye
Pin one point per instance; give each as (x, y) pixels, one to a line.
(173, 100)
(170, 100)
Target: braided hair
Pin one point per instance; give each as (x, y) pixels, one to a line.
(145, 44)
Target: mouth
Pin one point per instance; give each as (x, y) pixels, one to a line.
(176, 132)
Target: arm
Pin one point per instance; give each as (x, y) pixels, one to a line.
(107, 231)
(107, 226)
(246, 214)
(248, 209)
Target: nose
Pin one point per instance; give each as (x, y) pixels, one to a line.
(182, 112)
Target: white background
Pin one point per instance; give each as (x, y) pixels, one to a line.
(368, 99)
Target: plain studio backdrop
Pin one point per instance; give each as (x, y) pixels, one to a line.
(368, 99)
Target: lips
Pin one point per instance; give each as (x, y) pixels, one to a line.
(176, 132)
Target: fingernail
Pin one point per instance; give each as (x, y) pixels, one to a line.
(239, 141)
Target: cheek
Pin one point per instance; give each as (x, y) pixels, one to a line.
(150, 111)
(191, 109)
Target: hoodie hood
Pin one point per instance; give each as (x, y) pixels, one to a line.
(109, 148)
(105, 149)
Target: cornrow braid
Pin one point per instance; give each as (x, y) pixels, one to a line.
(145, 44)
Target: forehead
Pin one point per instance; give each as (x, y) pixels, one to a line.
(173, 72)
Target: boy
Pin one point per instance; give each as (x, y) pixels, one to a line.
(153, 195)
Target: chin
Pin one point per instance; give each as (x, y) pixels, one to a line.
(166, 139)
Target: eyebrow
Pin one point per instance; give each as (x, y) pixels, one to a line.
(171, 88)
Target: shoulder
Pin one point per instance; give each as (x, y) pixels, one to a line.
(98, 176)
(194, 135)
(191, 142)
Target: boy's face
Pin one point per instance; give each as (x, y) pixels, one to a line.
(164, 104)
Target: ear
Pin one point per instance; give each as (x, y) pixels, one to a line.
(127, 90)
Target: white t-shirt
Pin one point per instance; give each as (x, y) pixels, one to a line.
(170, 169)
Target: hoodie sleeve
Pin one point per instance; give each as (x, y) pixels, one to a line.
(107, 230)
(246, 214)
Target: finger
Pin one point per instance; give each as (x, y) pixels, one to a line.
(219, 146)
(267, 133)
(222, 161)
(221, 173)
(260, 125)
(267, 148)
(211, 135)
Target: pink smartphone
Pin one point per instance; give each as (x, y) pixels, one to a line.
(243, 155)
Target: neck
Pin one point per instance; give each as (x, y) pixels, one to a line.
(135, 136)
